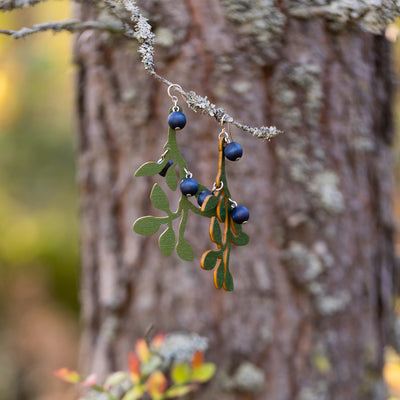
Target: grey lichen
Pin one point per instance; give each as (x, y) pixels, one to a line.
(304, 264)
(261, 21)
(325, 186)
(329, 305)
(182, 346)
(319, 391)
(247, 378)
(371, 15)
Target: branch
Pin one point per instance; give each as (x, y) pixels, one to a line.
(70, 25)
(137, 27)
(8, 5)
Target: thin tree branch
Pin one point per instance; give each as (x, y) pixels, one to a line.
(137, 27)
(69, 25)
(8, 5)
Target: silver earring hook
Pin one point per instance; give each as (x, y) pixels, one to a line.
(173, 97)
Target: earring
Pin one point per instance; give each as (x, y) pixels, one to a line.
(215, 204)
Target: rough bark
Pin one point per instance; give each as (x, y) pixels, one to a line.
(312, 303)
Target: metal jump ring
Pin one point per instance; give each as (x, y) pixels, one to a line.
(217, 189)
(188, 173)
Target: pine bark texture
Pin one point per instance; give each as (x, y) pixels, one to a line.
(314, 288)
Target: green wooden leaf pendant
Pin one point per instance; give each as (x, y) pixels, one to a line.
(216, 206)
(159, 198)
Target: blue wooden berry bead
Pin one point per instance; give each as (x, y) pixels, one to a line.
(202, 196)
(233, 151)
(177, 120)
(240, 214)
(163, 172)
(189, 186)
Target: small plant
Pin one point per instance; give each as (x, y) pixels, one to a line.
(150, 375)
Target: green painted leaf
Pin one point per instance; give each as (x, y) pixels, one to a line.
(147, 225)
(220, 276)
(171, 178)
(228, 284)
(209, 259)
(215, 231)
(209, 203)
(159, 198)
(178, 391)
(135, 393)
(241, 240)
(184, 250)
(221, 211)
(150, 168)
(181, 374)
(203, 373)
(114, 379)
(167, 242)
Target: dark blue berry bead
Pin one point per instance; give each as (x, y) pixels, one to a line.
(189, 186)
(177, 120)
(202, 196)
(240, 214)
(233, 151)
(165, 169)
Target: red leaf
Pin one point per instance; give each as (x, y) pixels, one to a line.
(158, 340)
(198, 359)
(134, 367)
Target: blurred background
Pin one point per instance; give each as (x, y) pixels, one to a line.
(39, 229)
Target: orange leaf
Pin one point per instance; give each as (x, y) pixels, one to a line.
(156, 385)
(142, 350)
(67, 375)
(134, 367)
(158, 340)
(198, 359)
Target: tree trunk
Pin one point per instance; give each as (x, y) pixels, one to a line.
(313, 289)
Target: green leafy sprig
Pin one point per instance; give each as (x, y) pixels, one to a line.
(217, 206)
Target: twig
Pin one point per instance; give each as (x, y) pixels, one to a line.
(134, 25)
(8, 5)
(69, 25)
(138, 28)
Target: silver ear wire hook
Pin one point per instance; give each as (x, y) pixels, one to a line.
(223, 131)
(173, 97)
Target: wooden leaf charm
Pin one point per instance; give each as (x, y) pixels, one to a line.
(167, 241)
(150, 168)
(159, 198)
(147, 225)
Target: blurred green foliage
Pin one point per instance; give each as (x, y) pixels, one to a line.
(38, 194)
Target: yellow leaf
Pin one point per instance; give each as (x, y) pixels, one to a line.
(181, 373)
(391, 373)
(67, 375)
(142, 350)
(156, 385)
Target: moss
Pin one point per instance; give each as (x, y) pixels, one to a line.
(322, 363)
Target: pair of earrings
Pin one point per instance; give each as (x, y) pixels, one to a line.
(215, 204)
